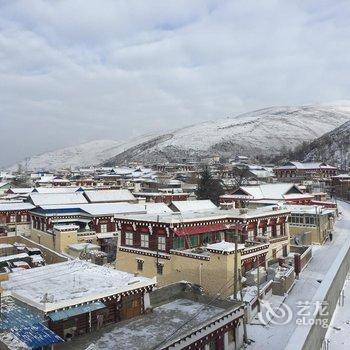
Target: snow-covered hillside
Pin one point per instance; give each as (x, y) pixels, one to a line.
(332, 148)
(90, 153)
(262, 132)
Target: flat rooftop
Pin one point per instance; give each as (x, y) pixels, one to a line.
(69, 283)
(148, 331)
(310, 209)
(190, 216)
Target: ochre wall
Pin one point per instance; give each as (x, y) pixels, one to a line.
(213, 275)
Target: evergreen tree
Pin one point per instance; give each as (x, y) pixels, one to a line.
(208, 187)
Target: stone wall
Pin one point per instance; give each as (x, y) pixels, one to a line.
(50, 256)
(284, 284)
(311, 337)
(305, 254)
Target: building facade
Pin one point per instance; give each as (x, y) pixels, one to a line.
(296, 171)
(15, 218)
(199, 247)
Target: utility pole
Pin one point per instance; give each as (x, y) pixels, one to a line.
(318, 223)
(235, 268)
(258, 285)
(157, 242)
(235, 276)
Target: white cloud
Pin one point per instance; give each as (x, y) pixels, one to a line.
(78, 70)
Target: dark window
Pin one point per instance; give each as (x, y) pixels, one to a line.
(274, 255)
(193, 241)
(139, 265)
(178, 243)
(159, 269)
(207, 239)
(285, 250)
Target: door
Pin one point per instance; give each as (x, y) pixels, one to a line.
(131, 306)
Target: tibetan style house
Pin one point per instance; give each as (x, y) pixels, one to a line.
(76, 297)
(198, 246)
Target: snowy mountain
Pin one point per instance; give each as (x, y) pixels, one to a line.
(262, 132)
(332, 148)
(90, 153)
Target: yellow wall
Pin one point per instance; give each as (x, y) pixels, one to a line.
(61, 240)
(278, 246)
(45, 239)
(64, 239)
(317, 233)
(211, 275)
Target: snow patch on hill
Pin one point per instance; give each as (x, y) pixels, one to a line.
(332, 148)
(261, 132)
(86, 154)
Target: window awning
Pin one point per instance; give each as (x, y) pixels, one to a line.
(105, 235)
(74, 311)
(195, 230)
(36, 336)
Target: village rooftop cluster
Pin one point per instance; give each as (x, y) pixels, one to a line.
(100, 257)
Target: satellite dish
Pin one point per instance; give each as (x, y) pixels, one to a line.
(297, 240)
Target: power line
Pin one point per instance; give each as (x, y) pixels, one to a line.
(220, 291)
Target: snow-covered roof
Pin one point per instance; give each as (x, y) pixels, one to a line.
(310, 209)
(98, 209)
(206, 215)
(224, 246)
(161, 193)
(345, 176)
(262, 173)
(157, 208)
(37, 258)
(46, 179)
(305, 166)
(3, 184)
(200, 205)
(21, 190)
(112, 208)
(60, 180)
(40, 199)
(99, 196)
(150, 330)
(15, 256)
(66, 227)
(13, 206)
(267, 191)
(83, 246)
(298, 196)
(60, 189)
(105, 235)
(69, 283)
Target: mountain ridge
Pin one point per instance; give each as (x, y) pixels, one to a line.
(260, 132)
(332, 148)
(251, 133)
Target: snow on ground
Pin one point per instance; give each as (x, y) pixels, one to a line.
(276, 337)
(147, 331)
(339, 329)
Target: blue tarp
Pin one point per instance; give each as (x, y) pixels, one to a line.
(15, 315)
(74, 311)
(36, 335)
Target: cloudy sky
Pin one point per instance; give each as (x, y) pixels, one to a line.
(78, 70)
